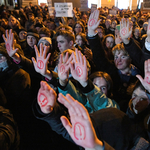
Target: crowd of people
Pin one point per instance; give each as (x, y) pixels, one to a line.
(86, 78)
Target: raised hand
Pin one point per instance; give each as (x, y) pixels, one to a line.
(148, 32)
(93, 22)
(63, 68)
(146, 81)
(79, 68)
(9, 43)
(80, 129)
(46, 98)
(125, 30)
(41, 62)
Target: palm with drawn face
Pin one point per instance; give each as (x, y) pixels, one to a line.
(122, 61)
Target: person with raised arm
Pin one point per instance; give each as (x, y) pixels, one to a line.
(87, 93)
(121, 71)
(90, 132)
(137, 54)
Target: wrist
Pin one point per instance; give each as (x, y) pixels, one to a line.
(92, 33)
(63, 82)
(98, 145)
(84, 83)
(125, 41)
(16, 57)
(48, 75)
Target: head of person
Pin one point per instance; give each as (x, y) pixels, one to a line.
(103, 81)
(32, 37)
(78, 27)
(108, 23)
(31, 16)
(4, 22)
(22, 33)
(38, 26)
(5, 60)
(109, 16)
(44, 32)
(133, 19)
(46, 41)
(108, 41)
(113, 24)
(70, 22)
(13, 22)
(145, 25)
(122, 59)
(137, 32)
(64, 27)
(140, 100)
(65, 40)
(81, 39)
(101, 31)
(51, 25)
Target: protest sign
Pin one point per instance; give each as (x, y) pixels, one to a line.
(93, 7)
(63, 9)
(146, 4)
(84, 5)
(113, 12)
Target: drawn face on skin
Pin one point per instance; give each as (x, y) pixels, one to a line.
(63, 44)
(101, 83)
(122, 61)
(140, 100)
(109, 42)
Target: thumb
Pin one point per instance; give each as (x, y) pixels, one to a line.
(34, 61)
(66, 124)
(140, 78)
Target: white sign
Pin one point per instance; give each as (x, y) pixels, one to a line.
(93, 7)
(113, 12)
(63, 9)
(84, 5)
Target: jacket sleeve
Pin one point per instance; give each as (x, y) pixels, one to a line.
(137, 55)
(96, 98)
(71, 89)
(53, 119)
(99, 58)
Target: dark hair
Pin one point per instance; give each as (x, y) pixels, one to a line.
(105, 37)
(83, 36)
(67, 35)
(107, 78)
(79, 22)
(45, 31)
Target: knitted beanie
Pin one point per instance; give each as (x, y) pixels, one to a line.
(47, 39)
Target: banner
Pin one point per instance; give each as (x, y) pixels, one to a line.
(93, 7)
(84, 5)
(63, 9)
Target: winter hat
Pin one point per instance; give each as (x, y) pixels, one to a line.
(33, 32)
(47, 39)
(145, 24)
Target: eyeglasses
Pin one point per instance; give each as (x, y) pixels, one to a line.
(78, 27)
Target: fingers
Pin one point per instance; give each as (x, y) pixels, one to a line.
(45, 52)
(66, 124)
(36, 51)
(148, 64)
(34, 62)
(41, 49)
(140, 78)
(66, 57)
(48, 56)
(4, 38)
